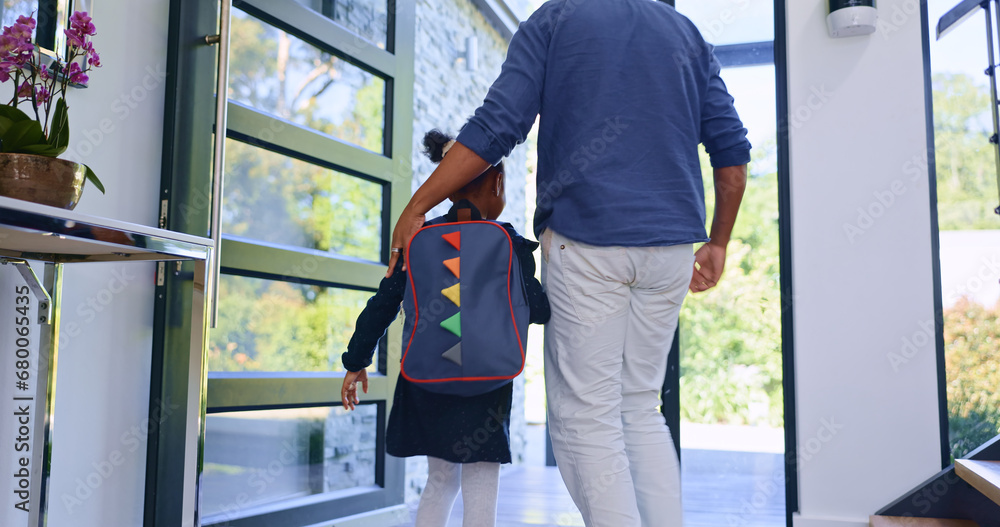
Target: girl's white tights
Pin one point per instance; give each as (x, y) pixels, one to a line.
(478, 482)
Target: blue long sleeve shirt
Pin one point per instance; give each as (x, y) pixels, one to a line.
(625, 90)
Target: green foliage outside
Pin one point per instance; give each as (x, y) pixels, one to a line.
(269, 325)
(966, 169)
(731, 335)
(967, 195)
(972, 356)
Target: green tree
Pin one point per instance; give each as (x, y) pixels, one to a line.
(966, 167)
(731, 336)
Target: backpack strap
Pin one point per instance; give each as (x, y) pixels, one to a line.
(464, 210)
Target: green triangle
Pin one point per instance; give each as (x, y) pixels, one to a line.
(454, 324)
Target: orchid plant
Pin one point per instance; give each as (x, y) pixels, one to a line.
(40, 88)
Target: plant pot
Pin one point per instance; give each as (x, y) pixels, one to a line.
(41, 179)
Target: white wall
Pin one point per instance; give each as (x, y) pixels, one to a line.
(102, 390)
(867, 402)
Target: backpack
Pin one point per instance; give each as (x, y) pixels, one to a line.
(466, 308)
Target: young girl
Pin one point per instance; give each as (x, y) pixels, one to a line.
(465, 439)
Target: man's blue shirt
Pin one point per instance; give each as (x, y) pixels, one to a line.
(625, 90)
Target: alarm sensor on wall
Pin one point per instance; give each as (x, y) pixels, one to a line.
(849, 18)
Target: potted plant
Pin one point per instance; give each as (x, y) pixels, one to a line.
(34, 125)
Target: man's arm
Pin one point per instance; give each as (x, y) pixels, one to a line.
(456, 170)
(730, 183)
(503, 121)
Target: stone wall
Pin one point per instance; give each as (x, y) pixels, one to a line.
(349, 448)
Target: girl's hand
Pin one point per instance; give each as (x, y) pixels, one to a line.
(349, 391)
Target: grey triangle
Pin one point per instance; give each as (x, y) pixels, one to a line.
(454, 354)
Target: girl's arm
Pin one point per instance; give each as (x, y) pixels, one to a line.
(371, 325)
(373, 321)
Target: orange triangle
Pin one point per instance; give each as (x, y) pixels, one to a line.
(453, 266)
(454, 238)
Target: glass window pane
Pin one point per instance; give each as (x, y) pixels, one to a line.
(731, 21)
(262, 457)
(278, 73)
(368, 18)
(269, 325)
(969, 238)
(282, 200)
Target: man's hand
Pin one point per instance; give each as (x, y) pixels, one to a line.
(349, 391)
(408, 224)
(709, 261)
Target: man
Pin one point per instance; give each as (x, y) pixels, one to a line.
(625, 90)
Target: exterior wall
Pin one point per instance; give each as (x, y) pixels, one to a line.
(867, 427)
(445, 96)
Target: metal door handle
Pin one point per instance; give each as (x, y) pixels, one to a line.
(219, 164)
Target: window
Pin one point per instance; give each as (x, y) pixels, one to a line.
(317, 163)
(969, 232)
(257, 459)
(283, 76)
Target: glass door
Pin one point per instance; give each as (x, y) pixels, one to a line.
(316, 168)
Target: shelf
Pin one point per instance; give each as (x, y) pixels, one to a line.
(40, 232)
(55, 236)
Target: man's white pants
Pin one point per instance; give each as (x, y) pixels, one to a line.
(614, 313)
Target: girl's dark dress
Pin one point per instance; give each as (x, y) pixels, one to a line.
(453, 428)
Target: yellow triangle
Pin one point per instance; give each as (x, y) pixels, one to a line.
(453, 293)
(453, 266)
